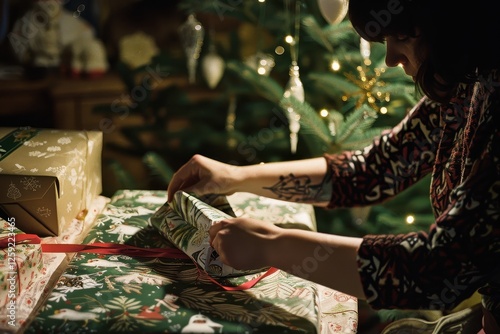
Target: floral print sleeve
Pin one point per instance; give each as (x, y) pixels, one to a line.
(394, 161)
(461, 251)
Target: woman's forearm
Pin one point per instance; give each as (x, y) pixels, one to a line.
(305, 181)
(329, 260)
(326, 259)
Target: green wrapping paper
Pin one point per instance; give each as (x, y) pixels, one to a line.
(121, 294)
(185, 223)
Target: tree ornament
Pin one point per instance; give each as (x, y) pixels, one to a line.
(212, 66)
(192, 34)
(295, 89)
(334, 11)
(370, 87)
(365, 50)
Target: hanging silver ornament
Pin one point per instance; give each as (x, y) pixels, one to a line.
(212, 66)
(334, 11)
(365, 50)
(261, 62)
(295, 89)
(192, 34)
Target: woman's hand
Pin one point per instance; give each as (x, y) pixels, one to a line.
(244, 243)
(201, 176)
(305, 181)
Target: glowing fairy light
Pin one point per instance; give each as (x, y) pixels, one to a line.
(323, 113)
(335, 66)
(410, 219)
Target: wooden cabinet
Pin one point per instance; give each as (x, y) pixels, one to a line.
(66, 103)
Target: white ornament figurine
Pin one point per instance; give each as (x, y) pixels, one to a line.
(192, 33)
(212, 66)
(200, 323)
(294, 89)
(333, 11)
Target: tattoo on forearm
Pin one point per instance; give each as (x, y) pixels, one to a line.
(299, 189)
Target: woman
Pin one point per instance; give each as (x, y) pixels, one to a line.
(448, 47)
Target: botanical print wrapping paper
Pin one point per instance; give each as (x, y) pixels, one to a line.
(185, 222)
(121, 294)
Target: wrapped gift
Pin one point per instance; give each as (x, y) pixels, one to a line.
(119, 293)
(281, 213)
(20, 265)
(48, 176)
(185, 222)
(53, 263)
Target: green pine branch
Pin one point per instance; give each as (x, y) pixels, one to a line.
(158, 166)
(262, 85)
(121, 174)
(310, 121)
(329, 82)
(362, 139)
(357, 121)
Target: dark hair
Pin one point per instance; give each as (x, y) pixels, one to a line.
(460, 37)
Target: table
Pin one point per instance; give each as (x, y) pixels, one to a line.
(118, 293)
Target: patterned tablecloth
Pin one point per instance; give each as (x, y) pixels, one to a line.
(122, 294)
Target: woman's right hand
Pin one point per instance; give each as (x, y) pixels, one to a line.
(202, 175)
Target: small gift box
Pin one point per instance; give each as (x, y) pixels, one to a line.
(20, 264)
(185, 223)
(48, 176)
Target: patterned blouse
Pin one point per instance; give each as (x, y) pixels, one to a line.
(460, 253)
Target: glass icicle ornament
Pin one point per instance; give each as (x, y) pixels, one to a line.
(365, 50)
(295, 89)
(212, 66)
(192, 34)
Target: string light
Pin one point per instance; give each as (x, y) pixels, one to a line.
(289, 39)
(323, 113)
(335, 66)
(410, 219)
(279, 50)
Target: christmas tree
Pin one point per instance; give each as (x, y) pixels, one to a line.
(291, 80)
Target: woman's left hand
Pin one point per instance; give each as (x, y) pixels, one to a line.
(244, 243)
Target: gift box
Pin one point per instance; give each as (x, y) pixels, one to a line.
(185, 222)
(119, 293)
(48, 176)
(20, 265)
(281, 213)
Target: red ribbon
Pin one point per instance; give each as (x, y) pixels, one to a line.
(121, 249)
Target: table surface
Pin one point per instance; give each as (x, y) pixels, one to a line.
(338, 311)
